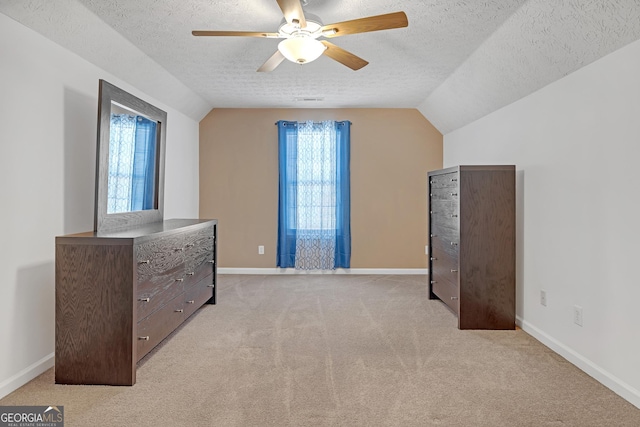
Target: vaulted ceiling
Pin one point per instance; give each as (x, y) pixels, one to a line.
(457, 61)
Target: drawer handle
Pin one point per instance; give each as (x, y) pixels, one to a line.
(146, 261)
(179, 310)
(211, 261)
(433, 281)
(190, 274)
(211, 286)
(454, 271)
(454, 298)
(144, 338)
(179, 280)
(144, 299)
(191, 302)
(454, 194)
(434, 258)
(454, 216)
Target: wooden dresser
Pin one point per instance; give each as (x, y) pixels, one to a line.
(472, 244)
(120, 293)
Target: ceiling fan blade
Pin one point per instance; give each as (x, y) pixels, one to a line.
(234, 33)
(292, 11)
(364, 25)
(272, 62)
(342, 56)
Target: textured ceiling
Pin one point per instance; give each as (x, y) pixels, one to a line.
(457, 61)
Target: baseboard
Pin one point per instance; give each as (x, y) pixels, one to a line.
(27, 374)
(384, 271)
(615, 384)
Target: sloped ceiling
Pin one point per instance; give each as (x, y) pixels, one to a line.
(457, 61)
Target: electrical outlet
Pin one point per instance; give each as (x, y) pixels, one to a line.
(577, 315)
(260, 250)
(543, 297)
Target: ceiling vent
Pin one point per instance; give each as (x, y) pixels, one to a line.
(308, 99)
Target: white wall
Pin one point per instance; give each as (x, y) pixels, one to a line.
(48, 111)
(576, 145)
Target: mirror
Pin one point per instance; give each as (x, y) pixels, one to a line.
(130, 160)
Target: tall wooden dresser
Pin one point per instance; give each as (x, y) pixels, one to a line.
(472, 244)
(120, 293)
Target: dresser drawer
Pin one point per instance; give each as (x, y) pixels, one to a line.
(445, 233)
(445, 214)
(199, 251)
(156, 291)
(449, 246)
(199, 245)
(194, 277)
(159, 255)
(158, 325)
(441, 272)
(448, 293)
(444, 267)
(446, 193)
(198, 237)
(448, 208)
(447, 180)
(197, 295)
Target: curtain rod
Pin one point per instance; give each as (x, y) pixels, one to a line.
(317, 123)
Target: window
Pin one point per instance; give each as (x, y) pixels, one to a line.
(314, 208)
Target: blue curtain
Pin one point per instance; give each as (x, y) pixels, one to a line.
(144, 165)
(314, 229)
(343, 208)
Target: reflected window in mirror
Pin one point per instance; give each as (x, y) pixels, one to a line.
(132, 163)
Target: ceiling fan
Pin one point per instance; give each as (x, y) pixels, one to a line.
(300, 34)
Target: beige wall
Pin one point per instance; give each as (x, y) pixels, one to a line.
(391, 152)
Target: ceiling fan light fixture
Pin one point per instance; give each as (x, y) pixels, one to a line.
(301, 49)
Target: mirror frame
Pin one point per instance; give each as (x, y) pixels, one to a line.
(108, 93)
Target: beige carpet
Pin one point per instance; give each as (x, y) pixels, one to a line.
(322, 350)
